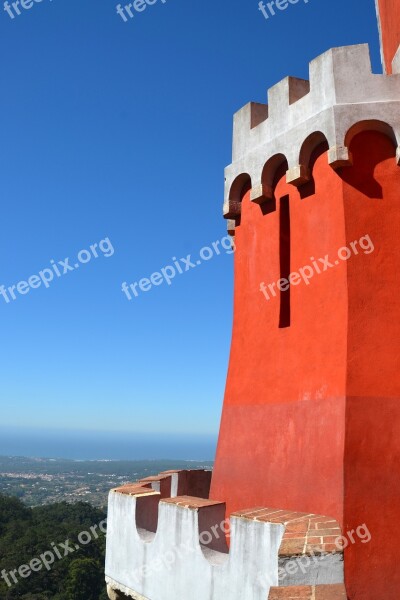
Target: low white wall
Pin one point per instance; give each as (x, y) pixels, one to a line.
(174, 565)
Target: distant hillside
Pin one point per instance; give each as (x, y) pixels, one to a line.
(54, 552)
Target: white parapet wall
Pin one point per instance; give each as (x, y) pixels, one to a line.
(175, 548)
(173, 564)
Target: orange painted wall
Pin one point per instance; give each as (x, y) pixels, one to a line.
(281, 442)
(311, 417)
(372, 455)
(390, 28)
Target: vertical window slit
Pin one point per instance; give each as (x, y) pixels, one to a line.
(284, 256)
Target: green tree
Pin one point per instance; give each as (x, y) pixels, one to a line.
(83, 581)
(26, 533)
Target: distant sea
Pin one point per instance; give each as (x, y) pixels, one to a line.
(91, 445)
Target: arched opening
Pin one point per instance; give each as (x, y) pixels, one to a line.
(240, 186)
(147, 516)
(370, 143)
(372, 125)
(310, 145)
(314, 146)
(272, 173)
(213, 531)
(274, 169)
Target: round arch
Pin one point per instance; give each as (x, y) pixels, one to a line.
(240, 185)
(370, 125)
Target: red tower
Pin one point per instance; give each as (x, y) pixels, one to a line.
(311, 416)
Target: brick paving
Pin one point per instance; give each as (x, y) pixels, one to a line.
(305, 533)
(305, 592)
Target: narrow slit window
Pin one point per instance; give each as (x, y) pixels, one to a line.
(284, 256)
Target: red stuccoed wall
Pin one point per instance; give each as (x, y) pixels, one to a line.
(389, 11)
(281, 442)
(311, 417)
(372, 453)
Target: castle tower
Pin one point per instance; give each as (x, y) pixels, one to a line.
(311, 417)
(309, 447)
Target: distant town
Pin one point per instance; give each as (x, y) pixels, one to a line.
(41, 481)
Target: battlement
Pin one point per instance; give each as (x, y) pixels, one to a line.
(180, 483)
(177, 547)
(342, 98)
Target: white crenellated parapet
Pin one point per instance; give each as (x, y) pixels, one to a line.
(161, 548)
(188, 556)
(342, 98)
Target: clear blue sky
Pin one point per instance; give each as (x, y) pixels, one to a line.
(122, 130)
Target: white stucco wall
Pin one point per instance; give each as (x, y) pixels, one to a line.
(174, 565)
